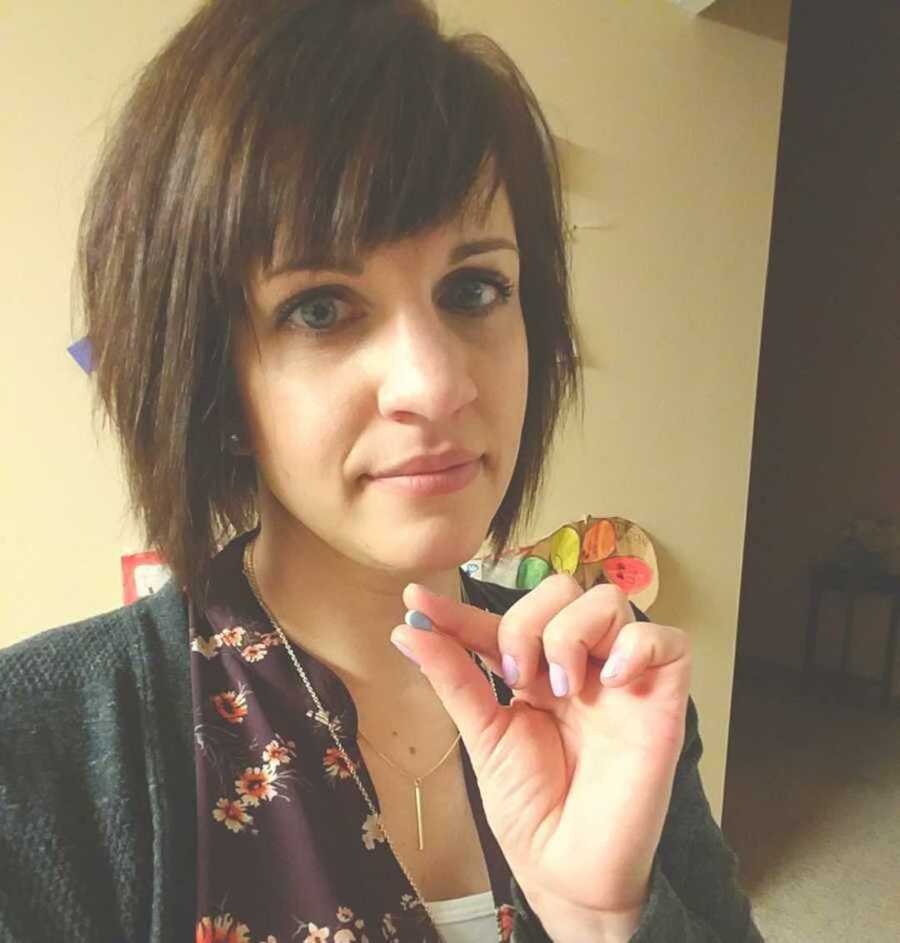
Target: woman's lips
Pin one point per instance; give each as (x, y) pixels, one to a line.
(445, 481)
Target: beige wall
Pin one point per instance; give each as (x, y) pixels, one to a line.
(680, 120)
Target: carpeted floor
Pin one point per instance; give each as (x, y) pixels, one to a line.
(812, 807)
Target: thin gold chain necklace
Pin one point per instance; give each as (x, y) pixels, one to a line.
(250, 574)
(417, 780)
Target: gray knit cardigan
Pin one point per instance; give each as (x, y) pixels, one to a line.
(97, 797)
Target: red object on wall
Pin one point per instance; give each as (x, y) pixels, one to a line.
(142, 575)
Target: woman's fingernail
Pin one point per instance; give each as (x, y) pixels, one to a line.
(510, 670)
(418, 620)
(559, 681)
(407, 652)
(612, 668)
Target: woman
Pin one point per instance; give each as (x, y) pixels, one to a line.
(324, 274)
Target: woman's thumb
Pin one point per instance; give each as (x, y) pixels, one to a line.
(462, 687)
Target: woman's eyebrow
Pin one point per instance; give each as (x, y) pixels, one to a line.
(352, 266)
(320, 264)
(480, 246)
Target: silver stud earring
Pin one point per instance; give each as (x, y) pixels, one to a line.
(236, 444)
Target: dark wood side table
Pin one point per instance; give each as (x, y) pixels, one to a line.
(853, 582)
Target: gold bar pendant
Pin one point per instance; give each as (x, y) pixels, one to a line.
(419, 814)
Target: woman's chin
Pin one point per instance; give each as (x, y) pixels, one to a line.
(433, 549)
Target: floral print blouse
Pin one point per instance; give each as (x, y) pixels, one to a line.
(287, 847)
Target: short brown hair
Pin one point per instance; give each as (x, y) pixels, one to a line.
(345, 124)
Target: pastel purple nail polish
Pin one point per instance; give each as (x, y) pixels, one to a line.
(559, 681)
(406, 652)
(613, 668)
(510, 670)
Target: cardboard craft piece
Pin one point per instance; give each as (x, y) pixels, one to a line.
(593, 550)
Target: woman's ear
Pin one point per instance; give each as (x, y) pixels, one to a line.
(237, 441)
(237, 445)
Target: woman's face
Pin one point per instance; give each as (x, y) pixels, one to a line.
(414, 350)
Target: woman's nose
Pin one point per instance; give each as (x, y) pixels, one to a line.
(426, 370)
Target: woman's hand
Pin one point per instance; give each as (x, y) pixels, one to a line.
(575, 787)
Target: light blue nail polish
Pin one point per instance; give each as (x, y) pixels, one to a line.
(418, 620)
(559, 681)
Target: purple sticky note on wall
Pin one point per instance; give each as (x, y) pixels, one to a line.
(81, 353)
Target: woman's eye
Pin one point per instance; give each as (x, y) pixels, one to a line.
(318, 313)
(475, 294)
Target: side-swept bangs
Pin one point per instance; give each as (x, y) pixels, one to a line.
(281, 131)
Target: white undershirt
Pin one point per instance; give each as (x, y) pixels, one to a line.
(470, 919)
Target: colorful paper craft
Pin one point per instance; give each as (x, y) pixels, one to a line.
(594, 550)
